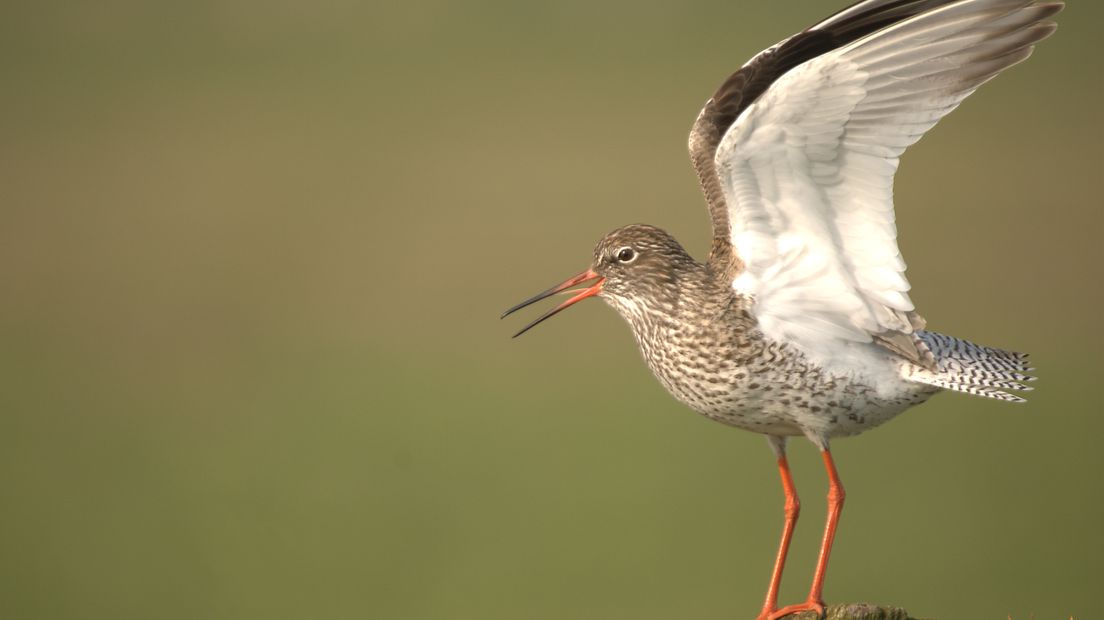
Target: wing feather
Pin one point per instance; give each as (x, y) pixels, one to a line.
(806, 170)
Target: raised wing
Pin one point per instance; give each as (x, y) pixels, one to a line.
(806, 170)
(752, 80)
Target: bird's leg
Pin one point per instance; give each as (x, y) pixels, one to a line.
(815, 602)
(793, 509)
(835, 507)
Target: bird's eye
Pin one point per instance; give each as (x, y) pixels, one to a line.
(626, 255)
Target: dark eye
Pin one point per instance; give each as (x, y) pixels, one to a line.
(626, 255)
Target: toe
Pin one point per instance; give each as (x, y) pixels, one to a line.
(816, 607)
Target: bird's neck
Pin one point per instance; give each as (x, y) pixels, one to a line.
(693, 296)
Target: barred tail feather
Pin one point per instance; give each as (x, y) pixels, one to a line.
(971, 368)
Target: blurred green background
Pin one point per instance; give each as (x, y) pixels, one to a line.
(253, 254)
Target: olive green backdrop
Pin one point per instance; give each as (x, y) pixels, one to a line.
(252, 257)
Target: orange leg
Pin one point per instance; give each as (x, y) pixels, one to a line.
(793, 509)
(815, 602)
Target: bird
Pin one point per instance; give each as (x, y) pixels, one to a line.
(799, 323)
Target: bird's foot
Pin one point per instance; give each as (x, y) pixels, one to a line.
(812, 605)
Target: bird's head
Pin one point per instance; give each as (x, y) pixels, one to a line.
(635, 268)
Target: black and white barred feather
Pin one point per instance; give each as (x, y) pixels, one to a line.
(963, 366)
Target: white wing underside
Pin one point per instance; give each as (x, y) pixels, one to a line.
(807, 170)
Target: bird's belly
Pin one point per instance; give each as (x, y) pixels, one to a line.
(841, 410)
(784, 395)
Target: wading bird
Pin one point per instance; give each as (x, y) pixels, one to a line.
(799, 323)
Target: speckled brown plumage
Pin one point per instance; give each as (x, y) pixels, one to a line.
(800, 322)
(702, 343)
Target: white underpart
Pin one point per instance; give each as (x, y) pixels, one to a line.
(807, 171)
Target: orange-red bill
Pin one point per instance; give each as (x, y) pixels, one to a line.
(581, 294)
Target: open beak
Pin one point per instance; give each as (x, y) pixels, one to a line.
(580, 294)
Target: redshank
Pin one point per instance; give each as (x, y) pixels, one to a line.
(799, 323)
